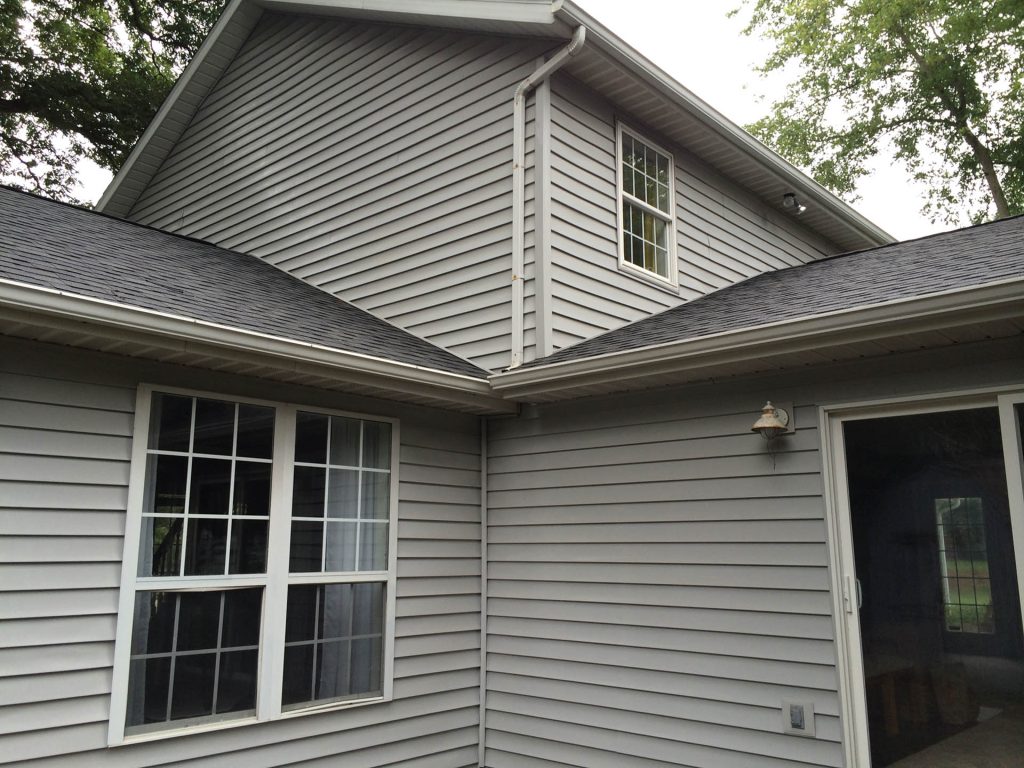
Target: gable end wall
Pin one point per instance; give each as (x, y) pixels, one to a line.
(372, 161)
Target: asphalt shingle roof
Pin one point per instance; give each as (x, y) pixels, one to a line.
(982, 254)
(66, 248)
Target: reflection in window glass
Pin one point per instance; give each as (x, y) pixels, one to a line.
(646, 206)
(194, 654)
(963, 561)
(196, 487)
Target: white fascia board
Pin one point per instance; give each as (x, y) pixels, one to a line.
(48, 302)
(184, 83)
(792, 176)
(992, 301)
(518, 11)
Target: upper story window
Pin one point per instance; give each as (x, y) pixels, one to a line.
(646, 210)
(259, 565)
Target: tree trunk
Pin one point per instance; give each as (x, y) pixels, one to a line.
(984, 158)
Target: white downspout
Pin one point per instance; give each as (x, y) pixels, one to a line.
(519, 183)
(481, 739)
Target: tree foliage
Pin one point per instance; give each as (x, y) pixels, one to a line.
(82, 78)
(941, 80)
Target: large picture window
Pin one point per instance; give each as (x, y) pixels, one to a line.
(259, 564)
(646, 209)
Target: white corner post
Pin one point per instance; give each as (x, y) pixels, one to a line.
(519, 183)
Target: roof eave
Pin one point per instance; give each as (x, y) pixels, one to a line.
(35, 305)
(601, 37)
(620, 370)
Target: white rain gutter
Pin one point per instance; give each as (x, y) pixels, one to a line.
(120, 321)
(993, 301)
(548, 68)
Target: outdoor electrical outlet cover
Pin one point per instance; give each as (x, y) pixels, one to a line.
(798, 718)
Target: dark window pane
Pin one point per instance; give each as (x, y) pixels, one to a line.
(300, 623)
(298, 675)
(343, 493)
(170, 422)
(193, 686)
(345, 441)
(198, 620)
(311, 438)
(336, 611)
(165, 484)
(375, 502)
(160, 551)
(153, 625)
(211, 486)
(252, 489)
(148, 681)
(242, 610)
(332, 670)
(205, 546)
(308, 492)
(215, 427)
(341, 546)
(248, 546)
(377, 444)
(368, 609)
(255, 432)
(306, 555)
(366, 666)
(236, 686)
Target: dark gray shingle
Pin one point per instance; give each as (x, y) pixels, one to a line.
(967, 257)
(71, 249)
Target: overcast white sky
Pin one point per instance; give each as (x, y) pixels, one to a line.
(697, 44)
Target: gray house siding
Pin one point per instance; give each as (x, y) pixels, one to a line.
(723, 234)
(658, 585)
(65, 440)
(372, 161)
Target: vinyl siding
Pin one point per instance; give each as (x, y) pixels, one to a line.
(723, 234)
(658, 584)
(65, 440)
(372, 161)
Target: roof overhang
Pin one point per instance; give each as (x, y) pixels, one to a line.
(606, 64)
(994, 310)
(44, 314)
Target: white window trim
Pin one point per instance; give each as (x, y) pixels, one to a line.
(672, 280)
(275, 581)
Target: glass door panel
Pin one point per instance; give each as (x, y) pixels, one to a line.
(940, 612)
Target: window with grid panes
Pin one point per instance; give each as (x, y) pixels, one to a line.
(229, 620)
(646, 217)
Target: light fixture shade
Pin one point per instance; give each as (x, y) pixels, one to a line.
(772, 422)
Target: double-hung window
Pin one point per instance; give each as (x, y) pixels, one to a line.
(646, 207)
(259, 573)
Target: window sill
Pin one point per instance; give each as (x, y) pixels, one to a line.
(188, 730)
(649, 278)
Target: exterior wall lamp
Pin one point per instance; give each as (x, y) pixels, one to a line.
(773, 422)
